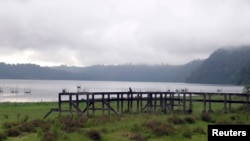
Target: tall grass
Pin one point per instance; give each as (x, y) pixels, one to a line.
(19, 121)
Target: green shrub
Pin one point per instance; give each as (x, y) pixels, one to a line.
(189, 120)
(137, 137)
(28, 127)
(205, 116)
(135, 128)
(3, 136)
(12, 132)
(94, 135)
(176, 120)
(49, 136)
(160, 128)
(7, 125)
(187, 134)
(199, 130)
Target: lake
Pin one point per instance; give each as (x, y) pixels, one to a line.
(47, 90)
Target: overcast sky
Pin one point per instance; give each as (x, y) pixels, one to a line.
(90, 32)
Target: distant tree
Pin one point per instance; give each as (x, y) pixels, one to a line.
(246, 88)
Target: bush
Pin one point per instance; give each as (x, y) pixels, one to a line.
(7, 125)
(44, 125)
(27, 127)
(94, 135)
(48, 136)
(176, 120)
(137, 137)
(3, 136)
(12, 132)
(189, 119)
(206, 117)
(199, 130)
(187, 134)
(70, 124)
(160, 128)
(135, 128)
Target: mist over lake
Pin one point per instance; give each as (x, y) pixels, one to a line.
(12, 90)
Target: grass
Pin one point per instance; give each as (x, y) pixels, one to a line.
(24, 121)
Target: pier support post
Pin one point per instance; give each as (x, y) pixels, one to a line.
(88, 103)
(230, 103)
(141, 99)
(118, 102)
(137, 102)
(122, 102)
(70, 104)
(184, 102)
(179, 99)
(190, 103)
(93, 105)
(77, 101)
(161, 103)
(155, 101)
(60, 103)
(171, 100)
(225, 103)
(108, 103)
(103, 97)
(209, 105)
(165, 103)
(204, 104)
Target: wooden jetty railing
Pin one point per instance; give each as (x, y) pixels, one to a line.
(148, 101)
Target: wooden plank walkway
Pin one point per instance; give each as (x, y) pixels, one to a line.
(138, 102)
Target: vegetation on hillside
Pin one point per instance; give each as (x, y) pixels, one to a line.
(224, 66)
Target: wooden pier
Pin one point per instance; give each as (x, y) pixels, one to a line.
(143, 102)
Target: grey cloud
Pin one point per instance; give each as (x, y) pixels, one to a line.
(82, 32)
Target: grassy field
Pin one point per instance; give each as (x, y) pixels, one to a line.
(24, 121)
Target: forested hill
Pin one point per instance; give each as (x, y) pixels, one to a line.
(154, 73)
(224, 66)
(32, 71)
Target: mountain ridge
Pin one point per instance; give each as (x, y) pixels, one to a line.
(223, 66)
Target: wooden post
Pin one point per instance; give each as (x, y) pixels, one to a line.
(161, 102)
(225, 103)
(109, 104)
(184, 102)
(190, 103)
(149, 102)
(179, 99)
(93, 105)
(141, 100)
(60, 104)
(130, 100)
(70, 104)
(103, 98)
(122, 102)
(204, 103)
(155, 101)
(172, 101)
(118, 102)
(137, 101)
(248, 101)
(77, 100)
(209, 104)
(230, 103)
(88, 102)
(165, 103)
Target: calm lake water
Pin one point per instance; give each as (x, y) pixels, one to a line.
(47, 90)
